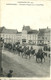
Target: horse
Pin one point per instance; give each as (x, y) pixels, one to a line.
(24, 51)
(13, 48)
(32, 52)
(20, 50)
(9, 46)
(40, 56)
(45, 54)
(28, 53)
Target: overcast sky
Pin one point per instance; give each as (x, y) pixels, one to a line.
(15, 16)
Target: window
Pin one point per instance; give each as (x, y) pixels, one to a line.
(42, 37)
(46, 37)
(38, 36)
(23, 40)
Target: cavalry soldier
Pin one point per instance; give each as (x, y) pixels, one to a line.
(31, 49)
(40, 52)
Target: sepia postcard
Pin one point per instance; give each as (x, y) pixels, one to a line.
(25, 39)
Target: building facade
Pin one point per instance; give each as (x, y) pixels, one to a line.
(32, 37)
(29, 36)
(47, 36)
(41, 36)
(9, 35)
(44, 36)
(19, 37)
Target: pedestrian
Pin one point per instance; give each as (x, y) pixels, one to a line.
(1, 69)
(10, 73)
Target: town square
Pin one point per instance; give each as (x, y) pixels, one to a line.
(19, 51)
(25, 39)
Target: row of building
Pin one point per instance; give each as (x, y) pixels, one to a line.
(27, 36)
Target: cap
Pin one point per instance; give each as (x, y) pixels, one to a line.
(10, 71)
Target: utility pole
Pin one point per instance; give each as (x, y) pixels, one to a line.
(1, 45)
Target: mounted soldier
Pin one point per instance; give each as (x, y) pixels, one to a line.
(32, 51)
(40, 55)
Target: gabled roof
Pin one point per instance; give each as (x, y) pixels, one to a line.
(26, 28)
(32, 32)
(8, 31)
(1, 29)
(47, 30)
(41, 32)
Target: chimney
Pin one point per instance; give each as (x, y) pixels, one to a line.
(47, 27)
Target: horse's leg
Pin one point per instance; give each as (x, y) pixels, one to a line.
(41, 60)
(29, 56)
(19, 53)
(44, 59)
(16, 52)
(26, 56)
(36, 58)
(22, 55)
(34, 55)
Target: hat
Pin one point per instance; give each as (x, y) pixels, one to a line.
(10, 71)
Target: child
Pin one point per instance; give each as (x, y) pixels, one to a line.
(10, 73)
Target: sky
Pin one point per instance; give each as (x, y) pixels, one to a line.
(15, 16)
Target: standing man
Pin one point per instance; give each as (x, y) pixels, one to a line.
(1, 45)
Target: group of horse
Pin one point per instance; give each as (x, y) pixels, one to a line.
(29, 52)
(26, 52)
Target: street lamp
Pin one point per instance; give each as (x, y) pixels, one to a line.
(1, 45)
